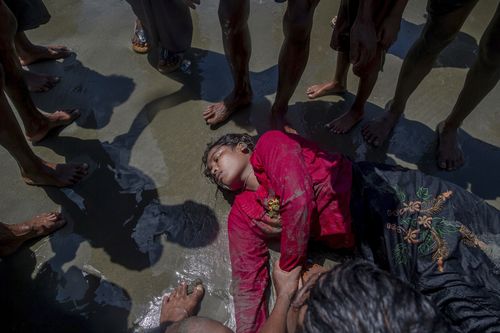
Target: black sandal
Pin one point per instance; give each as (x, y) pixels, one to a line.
(169, 62)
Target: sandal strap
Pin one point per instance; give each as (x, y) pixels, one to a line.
(141, 35)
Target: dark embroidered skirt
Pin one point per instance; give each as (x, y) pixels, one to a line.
(30, 14)
(440, 238)
(167, 23)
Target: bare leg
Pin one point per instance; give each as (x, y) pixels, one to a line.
(36, 124)
(39, 82)
(339, 83)
(233, 16)
(345, 122)
(34, 170)
(12, 236)
(30, 53)
(437, 34)
(480, 80)
(297, 24)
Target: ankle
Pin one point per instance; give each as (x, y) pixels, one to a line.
(449, 126)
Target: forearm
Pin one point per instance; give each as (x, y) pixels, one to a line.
(276, 323)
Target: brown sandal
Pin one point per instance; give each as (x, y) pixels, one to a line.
(139, 41)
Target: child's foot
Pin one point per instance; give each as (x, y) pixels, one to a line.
(36, 53)
(327, 88)
(449, 153)
(179, 304)
(51, 121)
(345, 122)
(38, 226)
(219, 112)
(377, 131)
(40, 82)
(58, 175)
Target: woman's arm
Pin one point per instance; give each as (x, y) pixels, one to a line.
(286, 284)
(249, 263)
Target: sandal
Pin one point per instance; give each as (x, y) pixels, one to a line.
(169, 62)
(139, 41)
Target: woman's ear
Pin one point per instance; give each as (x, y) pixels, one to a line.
(243, 148)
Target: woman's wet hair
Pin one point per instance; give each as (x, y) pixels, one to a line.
(359, 297)
(230, 140)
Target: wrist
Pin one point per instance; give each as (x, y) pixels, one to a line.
(284, 298)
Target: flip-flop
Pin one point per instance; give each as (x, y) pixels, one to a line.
(139, 41)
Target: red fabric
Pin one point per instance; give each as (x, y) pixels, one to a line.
(313, 188)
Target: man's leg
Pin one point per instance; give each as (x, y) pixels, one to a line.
(367, 81)
(481, 79)
(12, 236)
(233, 16)
(438, 32)
(30, 53)
(339, 83)
(36, 124)
(297, 24)
(34, 170)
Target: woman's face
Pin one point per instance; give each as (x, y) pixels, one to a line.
(227, 165)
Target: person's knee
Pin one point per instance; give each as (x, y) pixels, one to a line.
(297, 27)
(436, 37)
(198, 325)
(233, 17)
(489, 52)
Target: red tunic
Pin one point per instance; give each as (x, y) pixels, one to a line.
(313, 188)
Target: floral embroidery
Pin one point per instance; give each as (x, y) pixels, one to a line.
(427, 231)
(273, 208)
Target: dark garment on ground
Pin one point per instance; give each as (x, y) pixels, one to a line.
(440, 238)
(30, 14)
(341, 36)
(167, 23)
(443, 7)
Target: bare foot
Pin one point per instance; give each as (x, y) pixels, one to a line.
(376, 131)
(179, 304)
(40, 82)
(38, 226)
(51, 121)
(345, 122)
(219, 112)
(326, 88)
(58, 175)
(449, 153)
(42, 53)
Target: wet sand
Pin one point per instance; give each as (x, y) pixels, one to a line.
(145, 218)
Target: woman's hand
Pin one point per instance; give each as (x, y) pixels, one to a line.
(364, 41)
(286, 283)
(388, 32)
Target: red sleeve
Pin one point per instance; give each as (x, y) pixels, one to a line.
(281, 158)
(250, 273)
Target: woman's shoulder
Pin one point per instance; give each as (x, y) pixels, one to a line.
(274, 139)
